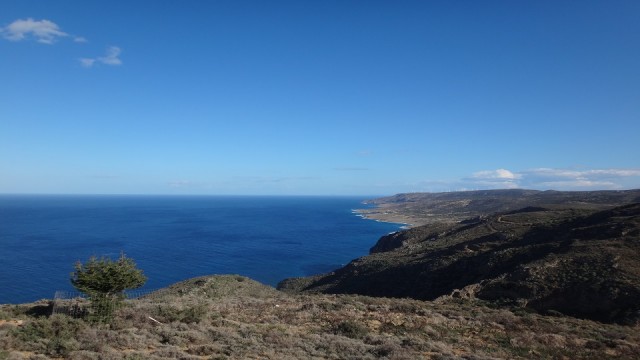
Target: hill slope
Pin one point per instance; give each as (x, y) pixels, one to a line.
(451, 207)
(574, 261)
(232, 317)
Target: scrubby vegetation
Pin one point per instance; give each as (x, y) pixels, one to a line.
(104, 281)
(232, 317)
(573, 261)
(498, 286)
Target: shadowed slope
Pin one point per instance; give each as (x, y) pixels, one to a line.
(578, 262)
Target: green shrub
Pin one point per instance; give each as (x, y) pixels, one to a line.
(104, 281)
(192, 314)
(350, 329)
(54, 335)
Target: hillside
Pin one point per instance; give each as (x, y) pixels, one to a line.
(233, 317)
(450, 207)
(552, 278)
(573, 261)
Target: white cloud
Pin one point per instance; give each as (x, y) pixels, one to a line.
(553, 178)
(541, 173)
(87, 62)
(112, 57)
(548, 178)
(614, 172)
(491, 179)
(501, 184)
(47, 32)
(502, 174)
(44, 31)
(578, 184)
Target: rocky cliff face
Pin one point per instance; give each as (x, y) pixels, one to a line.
(575, 261)
(406, 238)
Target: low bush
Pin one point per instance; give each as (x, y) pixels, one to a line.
(54, 335)
(350, 329)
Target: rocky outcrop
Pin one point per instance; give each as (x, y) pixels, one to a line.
(405, 238)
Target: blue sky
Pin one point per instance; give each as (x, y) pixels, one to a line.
(318, 97)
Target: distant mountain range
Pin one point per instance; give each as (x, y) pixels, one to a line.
(575, 253)
(424, 208)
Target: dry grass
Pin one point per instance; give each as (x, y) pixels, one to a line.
(230, 317)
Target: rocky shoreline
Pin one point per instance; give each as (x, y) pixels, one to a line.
(417, 209)
(379, 214)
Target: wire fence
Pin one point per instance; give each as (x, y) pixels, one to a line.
(98, 308)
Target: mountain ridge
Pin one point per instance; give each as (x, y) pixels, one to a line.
(451, 207)
(577, 260)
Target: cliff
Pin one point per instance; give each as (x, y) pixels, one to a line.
(575, 261)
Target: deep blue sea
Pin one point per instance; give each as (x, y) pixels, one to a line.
(173, 238)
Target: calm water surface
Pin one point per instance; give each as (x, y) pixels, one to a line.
(174, 238)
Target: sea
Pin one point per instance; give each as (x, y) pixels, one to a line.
(173, 238)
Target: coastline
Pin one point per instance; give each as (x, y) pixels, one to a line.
(289, 232)
(379, 215)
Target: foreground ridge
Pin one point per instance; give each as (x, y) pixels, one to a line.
(233, 317)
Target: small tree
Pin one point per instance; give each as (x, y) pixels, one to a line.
(104, 281)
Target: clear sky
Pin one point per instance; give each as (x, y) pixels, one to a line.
(318, 97)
